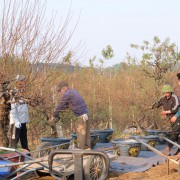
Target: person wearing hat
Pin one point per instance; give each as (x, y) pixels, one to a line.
(176, 118)
(71, 99)
(177, 88)
(19, 116)
(170, 102)
(177, 92)
(170, 105)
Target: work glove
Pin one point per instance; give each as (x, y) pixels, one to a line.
(85, 117)
(18, 125)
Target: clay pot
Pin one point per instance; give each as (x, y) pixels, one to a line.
(94, 139)
(149, 139)
(127, 147)
(158, 133)
(58, 141)
(105, 135)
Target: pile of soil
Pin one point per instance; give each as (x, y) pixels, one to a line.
(159, 172)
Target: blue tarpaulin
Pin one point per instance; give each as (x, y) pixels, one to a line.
(144, 161)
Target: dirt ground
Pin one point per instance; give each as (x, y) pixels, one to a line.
(159, 172)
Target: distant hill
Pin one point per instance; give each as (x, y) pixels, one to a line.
(64, 67)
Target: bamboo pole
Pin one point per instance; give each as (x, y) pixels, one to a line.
(159, 153)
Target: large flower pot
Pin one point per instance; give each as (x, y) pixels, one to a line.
(49, 144)
(94, 139)
(58, 141)
(158, 133)
(149, 139)
(105, 135)
(127, 147)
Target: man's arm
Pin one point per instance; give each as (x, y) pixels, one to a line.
(158, 103)
(178, 113)
(61, 107)
(175, 105)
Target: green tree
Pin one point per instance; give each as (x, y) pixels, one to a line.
(157, 59)
(107, 54)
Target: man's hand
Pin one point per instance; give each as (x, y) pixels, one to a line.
(51, 120)
(165, 112)
(18, 125)
(85, 117)
(173, 119)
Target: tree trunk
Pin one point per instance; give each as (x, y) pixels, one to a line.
(4, 125)
(110, 111)
(5, 108)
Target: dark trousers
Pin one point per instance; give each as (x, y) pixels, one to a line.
(19, 134)
(175, 132)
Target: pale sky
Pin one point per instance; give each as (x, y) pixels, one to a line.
(118, 23)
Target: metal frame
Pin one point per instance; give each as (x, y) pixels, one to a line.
(78, 162)
(26, 164)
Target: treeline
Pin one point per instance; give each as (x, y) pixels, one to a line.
(116, 97)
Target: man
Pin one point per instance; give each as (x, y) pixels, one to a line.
(19, 115)
(170, 103)
(177, 92)
(175, 120)
(177, 88)
(72, 99)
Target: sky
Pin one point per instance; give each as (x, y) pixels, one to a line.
(117, 23)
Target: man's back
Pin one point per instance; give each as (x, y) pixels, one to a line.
(73, 100)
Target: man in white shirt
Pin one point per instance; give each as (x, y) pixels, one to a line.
(19, 116)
